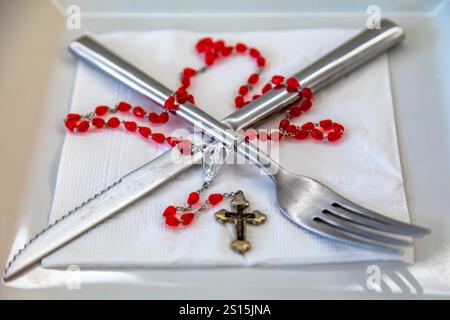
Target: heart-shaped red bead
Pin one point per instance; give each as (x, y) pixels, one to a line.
(98, 123)
(158, 137)
(187, 218)
(193, 198)
(123, 106)
(101, 110)
(131, 126)
(145, 131)
(113, 122)
(170, 211)
(172, 221)
(215, 198)
(153, 117)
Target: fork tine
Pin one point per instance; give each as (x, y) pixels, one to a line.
(376, 220)
(341, 224)
(367, 222)
(324, 229)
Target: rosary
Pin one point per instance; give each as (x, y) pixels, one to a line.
(212, 51)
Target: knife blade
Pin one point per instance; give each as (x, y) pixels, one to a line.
(137, 184)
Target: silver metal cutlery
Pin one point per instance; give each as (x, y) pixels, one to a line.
(302, 200)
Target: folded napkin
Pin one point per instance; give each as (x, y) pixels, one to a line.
(364, 165)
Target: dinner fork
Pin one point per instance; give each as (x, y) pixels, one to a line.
(315, 207)
(307, 202)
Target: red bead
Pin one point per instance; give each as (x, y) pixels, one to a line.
(182, 97)
(240, 47)
(292, 129)
(193, 198)
(239, 101)
(326, 124)
(207, 41)
(256, 96)
(172, 221)
(83, 126)
(295, 112)
(130, 126)
(243, 90)
(307, 93)
(308, 126)
(181, 90)
(218, 45)
(153, 117)
(292, 84)
(254, 53)
(71, 124)
(172, 141)
(226, 51)
(317, 134)
(187, 218)
(189, 72)
(284, 124)
(73, 117)
(190, 98)
(138, 111)
(170, 103)
(163, 117)
(98, 122)
(338, 127)
(170, 211)
(301, 134)
(277, 79)
(266, 88)
(334, 136)
(305, 104)
(101, 110)
(261, 61)
(186, 81)
(215, 198)
(158, 137)
(203, 44)
(145, 131)
(113, 122)
(200, 47)
(123, 106)
(210, 58)
(253, 79)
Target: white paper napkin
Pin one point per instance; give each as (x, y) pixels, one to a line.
(364, 166)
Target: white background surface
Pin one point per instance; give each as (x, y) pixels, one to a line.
(419, 71)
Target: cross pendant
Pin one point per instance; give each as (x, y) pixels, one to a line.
(240, 219)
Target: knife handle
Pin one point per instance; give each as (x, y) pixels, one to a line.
(339, 62)
(360, 49)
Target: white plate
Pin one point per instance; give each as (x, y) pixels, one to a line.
(419, 75)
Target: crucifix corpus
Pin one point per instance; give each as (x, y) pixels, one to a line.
(240, 218)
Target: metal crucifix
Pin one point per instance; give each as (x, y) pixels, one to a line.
(240, 219)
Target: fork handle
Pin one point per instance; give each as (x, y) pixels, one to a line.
(349, 56)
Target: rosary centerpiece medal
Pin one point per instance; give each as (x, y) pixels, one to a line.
(240, 218)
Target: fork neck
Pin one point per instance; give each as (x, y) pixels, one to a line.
(262, 160)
